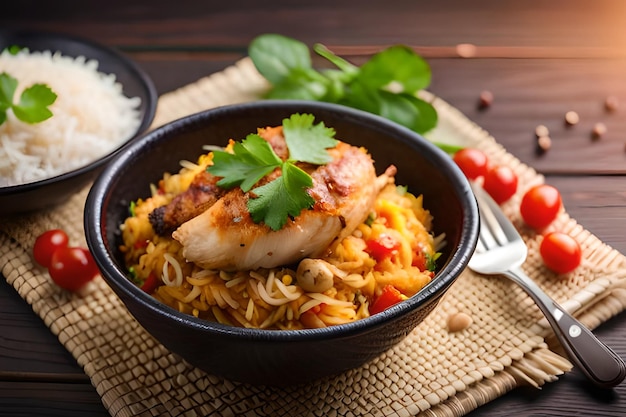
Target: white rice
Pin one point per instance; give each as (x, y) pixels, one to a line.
(91, 117)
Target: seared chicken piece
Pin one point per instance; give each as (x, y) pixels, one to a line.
(344, 190)
(203, 192)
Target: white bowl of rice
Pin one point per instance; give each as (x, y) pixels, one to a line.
(104, 100)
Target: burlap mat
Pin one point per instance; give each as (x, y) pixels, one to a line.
(433, 372)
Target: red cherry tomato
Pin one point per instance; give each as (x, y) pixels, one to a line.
(47, 243)
(501, 183)
(540, 206)
(473, 162)
(72, 267)
(560, 252)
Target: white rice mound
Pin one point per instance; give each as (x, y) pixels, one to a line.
(91, 117)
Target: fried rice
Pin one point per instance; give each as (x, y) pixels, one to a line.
(273, 298)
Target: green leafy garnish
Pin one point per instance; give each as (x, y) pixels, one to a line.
(281, 198)
(14, 49)
(33, 104)
(308, 142)
(431, 261)
(131, 208)
(253, 158)
(386, 85)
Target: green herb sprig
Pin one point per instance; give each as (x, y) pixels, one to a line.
(253, 158)
(33, 103)
(387, 84)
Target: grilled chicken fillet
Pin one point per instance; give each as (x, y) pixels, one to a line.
(203, 192)
(225, 236)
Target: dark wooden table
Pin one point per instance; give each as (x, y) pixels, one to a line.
(540, 59)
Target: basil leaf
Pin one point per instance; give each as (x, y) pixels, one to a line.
(408, 110)
(396, 66)
(276, 56)
(300, 84)
(343, 65)
(286, 64)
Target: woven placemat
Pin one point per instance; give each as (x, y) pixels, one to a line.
(433, 372)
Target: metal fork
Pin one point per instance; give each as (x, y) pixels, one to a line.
(501, 251)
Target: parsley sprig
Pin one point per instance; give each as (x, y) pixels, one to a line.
(33, 103)
(253, 158)
(387, 84)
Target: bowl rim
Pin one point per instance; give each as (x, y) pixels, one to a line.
(94, 230)
(139, 73)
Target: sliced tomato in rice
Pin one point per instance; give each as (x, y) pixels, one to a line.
(150, 284)
(389, 297)
(382, 247)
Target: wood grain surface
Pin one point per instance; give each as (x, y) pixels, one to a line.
(539, 58)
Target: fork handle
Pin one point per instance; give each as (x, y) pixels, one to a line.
(595, 359)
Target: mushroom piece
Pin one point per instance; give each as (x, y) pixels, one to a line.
(315, 275)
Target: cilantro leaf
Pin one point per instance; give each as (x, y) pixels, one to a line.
(307, 142)
(281, 198)
(14, 49)
(251, 160)
(34, 102)
(8, 85)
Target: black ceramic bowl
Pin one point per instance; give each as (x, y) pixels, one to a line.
(18, 199)
(277, 357)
